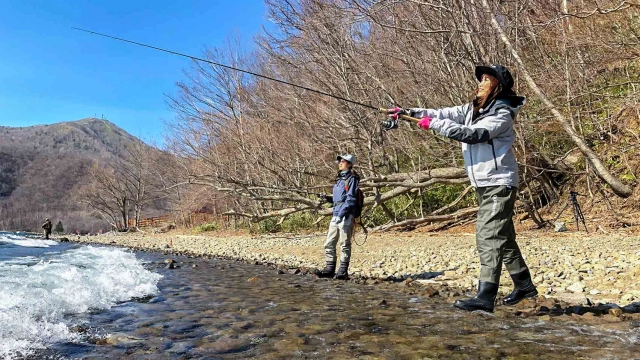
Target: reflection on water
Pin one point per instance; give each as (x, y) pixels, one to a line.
(232, 310)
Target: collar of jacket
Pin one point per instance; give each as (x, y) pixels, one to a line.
(343, 174)
(512, 103)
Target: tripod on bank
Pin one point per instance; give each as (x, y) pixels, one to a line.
(577, 211)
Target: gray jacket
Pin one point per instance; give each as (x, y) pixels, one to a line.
(487, 140)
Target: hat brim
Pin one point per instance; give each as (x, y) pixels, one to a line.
(481, 70)
(338, 158)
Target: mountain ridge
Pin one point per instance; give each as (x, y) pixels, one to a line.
(43, 167)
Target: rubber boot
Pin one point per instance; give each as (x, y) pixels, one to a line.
(343, 272)
(484, 300)
(522, 288)
(328, 272)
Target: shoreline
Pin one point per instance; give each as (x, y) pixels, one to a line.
(566, 266)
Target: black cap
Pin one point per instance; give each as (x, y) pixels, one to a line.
(499, 72)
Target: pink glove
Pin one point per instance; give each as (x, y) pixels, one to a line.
(424, 122)
(393, 113)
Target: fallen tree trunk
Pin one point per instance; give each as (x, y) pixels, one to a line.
(401, 184)
(460, 214)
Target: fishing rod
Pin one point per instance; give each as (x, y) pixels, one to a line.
(388, 124)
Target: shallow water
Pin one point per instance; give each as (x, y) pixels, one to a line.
(231, 310)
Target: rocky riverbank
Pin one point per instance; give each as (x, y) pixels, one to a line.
(572, 267)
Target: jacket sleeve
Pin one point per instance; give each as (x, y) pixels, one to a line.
(456, 114)
(481, 132)
(351, 199)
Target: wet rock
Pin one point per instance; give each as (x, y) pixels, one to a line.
(430, 292)
(79, 329)
(383, 302)
(615, 312)
(543, 310)
(123, 340)
(63, 239)
(149, 331)
(243, 325)
(194, 266)
(289, 345)
(632, 308)
(611, 318)
(181, 347)
(227, 345)
(577, 310)
(98, 341)
(635, 324)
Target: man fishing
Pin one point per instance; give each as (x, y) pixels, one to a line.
(345, 200)
(47, 226)
(485, 129)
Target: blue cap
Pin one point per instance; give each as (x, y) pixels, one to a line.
(347, 157)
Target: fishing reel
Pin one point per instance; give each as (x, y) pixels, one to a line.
(389, 124)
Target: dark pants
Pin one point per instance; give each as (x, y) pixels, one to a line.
(495, 233)
(47, 233)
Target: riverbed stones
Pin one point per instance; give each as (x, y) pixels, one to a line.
(561, 259)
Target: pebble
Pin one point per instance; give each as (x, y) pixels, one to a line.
(577, 287)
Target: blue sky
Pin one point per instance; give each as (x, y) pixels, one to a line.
(50, 73)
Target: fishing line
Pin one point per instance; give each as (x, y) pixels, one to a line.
(228, 67)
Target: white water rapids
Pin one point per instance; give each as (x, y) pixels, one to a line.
(38, 293)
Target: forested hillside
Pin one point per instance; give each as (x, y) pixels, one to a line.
(43, 169)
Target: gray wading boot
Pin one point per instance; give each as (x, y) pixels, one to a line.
(484, 300)
(328, 272)
(343, 273)
(522, 288)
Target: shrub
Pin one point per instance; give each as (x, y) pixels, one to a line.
(206, 227)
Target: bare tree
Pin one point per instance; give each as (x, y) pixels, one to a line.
(265, 150)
